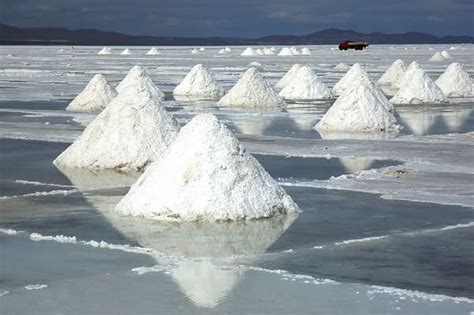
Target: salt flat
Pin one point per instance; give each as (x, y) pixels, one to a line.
(386, 225)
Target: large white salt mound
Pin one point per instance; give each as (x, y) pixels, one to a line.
(305, 51)
(206, 175)
(251, 91)
(199, 82)
(416, 87)
(288, 77)
(360, 108)
(285, 51)
(393, 74)
(341, 67)
(249, 51)
(446, 54)
(130, 133)
(305, 86)
(455, 82)
(437, 57)
(105, 51)
(95, 96)
(126, 51)
(355, 73)
(138, 76)
(153, 51)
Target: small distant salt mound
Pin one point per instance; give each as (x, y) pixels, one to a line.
(206, 175)
(202, 49)
(228, 49)
(393, 74)
(294, 50)
(361, 108)
(437, 57)
(138, 76)
(95, 96)
(355, 73)
(195, 51)
(251, 91)
(416, 87)
(285, 51)
(455, 82)
(255, 64)
(249, 51)
(446, 54)
(130, 133)
(222, 52)
(305, 86)
(341, 67)
(153, 51)
(305, 51)
(452, 48)
(259, 52)
(61, 50)
(126, 51)
(288, 77)
(269, 52)
(105, 51)
(199, 82)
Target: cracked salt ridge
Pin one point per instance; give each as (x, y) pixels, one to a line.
(412, 294)
(35, 183)
(30, 287)
(43, 193)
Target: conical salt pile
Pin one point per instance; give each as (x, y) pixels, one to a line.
(355, 73)
(222, 52)
(259, 52)
(228, 49)
(361, 108)
(446, 54)
(288, 77)
(199, 82)
(305, 86)
(305, 51)
(202, 49)
(437, 57)
(341, 67)
(416, 87)
(251, 91)
(126, 51)
(294, 50)
(138, 75)
(285, 51)
(206, 175)
(393, 74)
(95, 96)
(455, 82)
(249, 51)
(105, 51)
(268, 52)
(130, 133)
(153, 51)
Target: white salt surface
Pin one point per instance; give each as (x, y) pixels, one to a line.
(139, 76)
(305, 86)
(355, 73)
(131, 132)
(289, 76)
(200, 82)
(455, 81)
(206, 176)
(251, 91)
(95, 96)
(393, 74)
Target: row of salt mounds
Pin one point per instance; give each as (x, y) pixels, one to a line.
(130, 133)
(455, 82)
(362, 107)
(251, 91)
(199, 83)
(105, 51)
(440, 56)
(416, 87)
(95, 96)
(289, 76)
(225, 51)
(249, 51)
(355, 73)
(153, 51)
(393, 74)
(305, 86)
(126, 51)
(138, 75)
(206, 175)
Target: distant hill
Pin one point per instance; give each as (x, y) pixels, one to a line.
(11, 35)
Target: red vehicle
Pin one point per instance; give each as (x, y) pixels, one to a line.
(349, 44)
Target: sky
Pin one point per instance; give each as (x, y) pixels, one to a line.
(243, 18)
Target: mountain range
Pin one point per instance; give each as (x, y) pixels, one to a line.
(11, 35)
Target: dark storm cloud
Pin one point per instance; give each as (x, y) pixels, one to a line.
(243, 18)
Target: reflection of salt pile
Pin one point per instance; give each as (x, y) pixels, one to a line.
(249, 51)
(355, 73)
(206, 176)
(393, 74)
(418, 122)
(130, 133)
(355, 164)
(253, 125)
(251, 91)
(199, 82)
(153, 51)
(305, 86)
(95, 96)
(341, 67)
(361, 108)
(138, 75)
(437, 57)
(455, 82)
(416, 87)
(456, 119)
(285, 51)
(446, 54)
(126, 51)
(105, 51)
(288, 77)
(305, 51)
